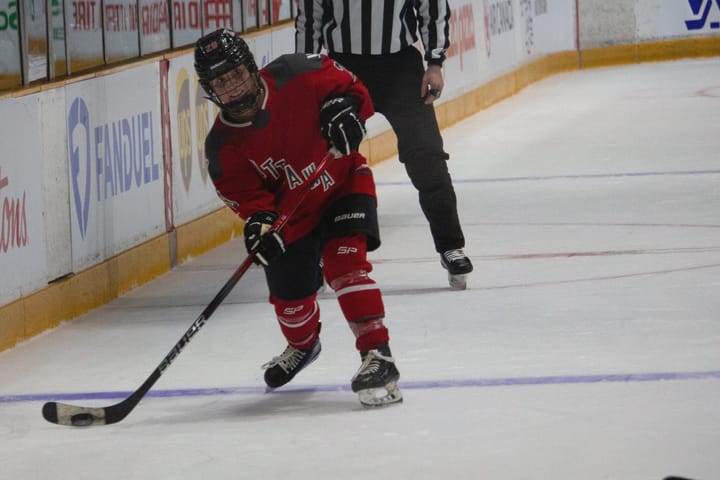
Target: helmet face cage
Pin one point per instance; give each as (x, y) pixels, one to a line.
(216, 54)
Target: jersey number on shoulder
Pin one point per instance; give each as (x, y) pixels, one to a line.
(343, 69)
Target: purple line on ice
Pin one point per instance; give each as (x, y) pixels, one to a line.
(405, 385)
(566, 177)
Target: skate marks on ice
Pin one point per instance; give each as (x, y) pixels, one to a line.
(588, 176)
(479, 282)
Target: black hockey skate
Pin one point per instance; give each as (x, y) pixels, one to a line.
(376, 380)
(283, 368)
(458, 265)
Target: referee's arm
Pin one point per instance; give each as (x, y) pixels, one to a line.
(308, 26)
(434, 25)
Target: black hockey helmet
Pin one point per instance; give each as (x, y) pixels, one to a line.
(216, 54)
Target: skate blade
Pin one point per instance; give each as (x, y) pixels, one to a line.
(457, 282)
(380, 397)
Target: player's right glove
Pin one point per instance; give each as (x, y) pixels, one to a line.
(261, 242)
(341, 125)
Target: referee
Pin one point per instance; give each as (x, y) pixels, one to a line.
(374, 39)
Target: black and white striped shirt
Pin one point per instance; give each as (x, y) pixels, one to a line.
(373, 27)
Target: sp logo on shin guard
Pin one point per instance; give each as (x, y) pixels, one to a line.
(293, 310)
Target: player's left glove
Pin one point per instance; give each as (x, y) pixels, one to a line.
(341, 125)
(261, 242)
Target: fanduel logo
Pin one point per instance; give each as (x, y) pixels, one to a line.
(702, 8)
(79, 151)
(108, 159)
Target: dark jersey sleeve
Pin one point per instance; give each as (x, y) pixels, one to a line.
(323, 77)
(286, 67)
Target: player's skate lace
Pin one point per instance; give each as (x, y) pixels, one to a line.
(371, 363)
(287, 360)
(283, 368)
(376, 380)
(376, 370)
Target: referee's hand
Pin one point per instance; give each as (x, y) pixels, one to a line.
(432, 84)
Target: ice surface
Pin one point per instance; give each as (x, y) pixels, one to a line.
(587, 345)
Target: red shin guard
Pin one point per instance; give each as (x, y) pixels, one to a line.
(346, 270)
(298, 320)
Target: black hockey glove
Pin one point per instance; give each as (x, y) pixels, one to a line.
(341, 125)
(261, 242)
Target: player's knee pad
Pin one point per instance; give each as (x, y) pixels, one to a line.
(299, 320)
(343, 255)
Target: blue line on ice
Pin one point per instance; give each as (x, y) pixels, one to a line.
(405, 385)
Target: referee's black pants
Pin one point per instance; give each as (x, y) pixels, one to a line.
(394, 83)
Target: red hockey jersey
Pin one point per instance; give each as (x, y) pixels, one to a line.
(259, 165)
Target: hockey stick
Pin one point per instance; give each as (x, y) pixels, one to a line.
(71, 415)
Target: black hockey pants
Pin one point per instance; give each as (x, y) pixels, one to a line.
(394, 82)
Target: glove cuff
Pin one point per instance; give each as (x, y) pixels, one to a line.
(264, 216)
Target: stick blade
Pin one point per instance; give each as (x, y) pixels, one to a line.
(73, 416)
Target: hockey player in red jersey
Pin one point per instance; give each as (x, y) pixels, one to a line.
(275, 125)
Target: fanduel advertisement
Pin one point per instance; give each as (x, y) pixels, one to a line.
(115, 166)
(701, 10)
